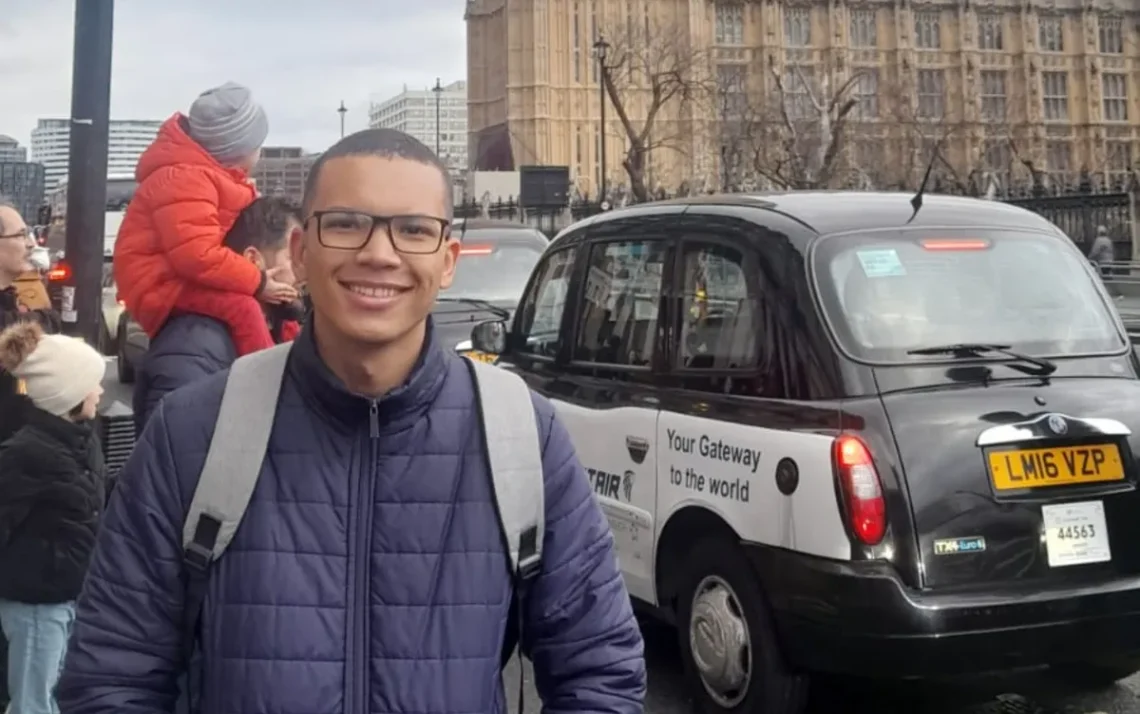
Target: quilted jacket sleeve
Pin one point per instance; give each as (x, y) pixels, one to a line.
(580, 631)
(190, 234)
(125, 656)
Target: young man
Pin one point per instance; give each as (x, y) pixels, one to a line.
(192, 346)
(369, 573)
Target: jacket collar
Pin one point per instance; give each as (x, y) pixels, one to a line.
(69, 433)
(395, 411)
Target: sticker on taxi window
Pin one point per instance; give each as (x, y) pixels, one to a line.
(881, 263)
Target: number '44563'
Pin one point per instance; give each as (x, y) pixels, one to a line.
(1081, 532)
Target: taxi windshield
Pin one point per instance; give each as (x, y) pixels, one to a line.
(887, 295)
(493, 271)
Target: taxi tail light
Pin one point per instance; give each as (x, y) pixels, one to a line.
(861, 488)
(60, 273)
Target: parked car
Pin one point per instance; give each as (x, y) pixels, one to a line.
(495, 260)
(834, 434)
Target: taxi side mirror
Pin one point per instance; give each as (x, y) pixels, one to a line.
(489, 337)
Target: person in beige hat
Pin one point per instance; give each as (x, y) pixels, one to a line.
(52, 492)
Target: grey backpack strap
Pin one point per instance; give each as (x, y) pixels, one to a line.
(514, 455)
(237, 450)
(233, 463)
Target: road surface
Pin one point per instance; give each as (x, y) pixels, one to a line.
(1025, 695)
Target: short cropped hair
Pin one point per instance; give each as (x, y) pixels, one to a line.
(382, 143)
(263, 225)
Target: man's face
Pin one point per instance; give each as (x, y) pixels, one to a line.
(375, 295)
(278, 257)
(15, 245)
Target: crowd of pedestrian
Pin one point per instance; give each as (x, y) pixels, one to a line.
(368, 564)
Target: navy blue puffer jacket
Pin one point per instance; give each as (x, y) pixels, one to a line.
(369, 574)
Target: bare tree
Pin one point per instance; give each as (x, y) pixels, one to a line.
(797, 135)
(652, 74)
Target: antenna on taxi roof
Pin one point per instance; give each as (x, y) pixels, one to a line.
(916, 200)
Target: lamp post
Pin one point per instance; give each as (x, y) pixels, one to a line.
(601, 47)
(438, 89)
(342, 110)
(87, 167)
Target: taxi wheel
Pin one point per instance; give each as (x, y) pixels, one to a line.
(728, 644)
(126, 370)
(1093, 676)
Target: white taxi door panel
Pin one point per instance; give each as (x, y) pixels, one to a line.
(616, 447)
(730, 469)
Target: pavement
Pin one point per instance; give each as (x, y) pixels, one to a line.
(667, 692)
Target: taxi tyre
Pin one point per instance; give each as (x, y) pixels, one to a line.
(773, 688)
(123, 366)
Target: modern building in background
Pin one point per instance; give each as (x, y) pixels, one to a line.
(282, 171)
(413, 111)
(11, 151)
(22, 183)
(1057, 81)
(51, 143)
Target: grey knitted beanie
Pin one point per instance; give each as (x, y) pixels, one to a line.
(227, 123)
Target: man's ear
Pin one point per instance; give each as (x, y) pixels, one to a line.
(254, 256)
(297, 252)
(450, 251)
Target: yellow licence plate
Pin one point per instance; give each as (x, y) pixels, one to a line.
(481, 356)
(1057, 466)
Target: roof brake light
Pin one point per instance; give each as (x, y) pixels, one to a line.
(60, 273)
(477, 250)
(956, 244)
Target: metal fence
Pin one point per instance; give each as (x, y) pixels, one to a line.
(1079, 210)
(548, 219)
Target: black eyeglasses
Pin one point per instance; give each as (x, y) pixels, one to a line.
(25, 234)
(352, 230)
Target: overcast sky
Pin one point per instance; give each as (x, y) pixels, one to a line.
(300, 57)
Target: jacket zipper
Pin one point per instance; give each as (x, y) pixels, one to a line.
(357, 673)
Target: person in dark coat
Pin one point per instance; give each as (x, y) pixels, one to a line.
(52, 490)
(190, 347)
(16, 246)
(370, 571)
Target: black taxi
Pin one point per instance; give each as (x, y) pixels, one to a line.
(834, 432)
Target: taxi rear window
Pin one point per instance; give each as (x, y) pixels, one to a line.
(887, 294)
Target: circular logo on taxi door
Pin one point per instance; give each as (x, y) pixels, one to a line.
(1057, 424)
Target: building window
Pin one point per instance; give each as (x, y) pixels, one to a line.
(1051, 33)
(617, 324)
(729, 23)
(990, 35)
(1059, 158)
(730, 80)
(593, 37)
(867, 94)
(1055, 96)
(864, 29)
(1114, 88)
(1118, 155)
(931, 91)
(993, 95)
(576, 43)
(797, 92)
(1111, 32)
(797, 26)
(927, 31)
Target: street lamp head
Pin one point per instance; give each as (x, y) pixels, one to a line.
(438, 87)
(342, 109)
(601, 47)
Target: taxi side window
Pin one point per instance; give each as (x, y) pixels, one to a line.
(617, 324)
(718, 315)
(541, 309)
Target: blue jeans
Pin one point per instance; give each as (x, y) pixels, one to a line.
(37, 641)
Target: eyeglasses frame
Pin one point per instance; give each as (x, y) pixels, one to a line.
(377, 220)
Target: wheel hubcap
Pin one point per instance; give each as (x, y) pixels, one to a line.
(720, 642)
